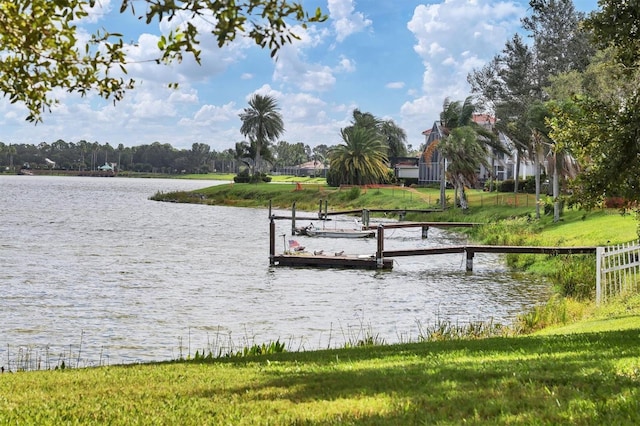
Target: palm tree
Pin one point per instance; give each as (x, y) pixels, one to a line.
(464, 155)
(562, 164)
(461, 134)
(246, 152)
(361, 159)
(393, 136)
(261, 123)
(365, 120)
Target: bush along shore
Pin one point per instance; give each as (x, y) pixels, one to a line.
(567, 362)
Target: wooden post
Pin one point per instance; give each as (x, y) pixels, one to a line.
(320, 210)
(365, 218)
(425, 232)
(470, 255)
(599, 257)
(380, 247)
(326, 208)
(272, 242)
(293, 219)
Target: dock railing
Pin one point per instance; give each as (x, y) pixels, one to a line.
(618, 270)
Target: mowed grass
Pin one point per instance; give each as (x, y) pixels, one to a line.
(576, 227)
(583, 378)
(307, 196)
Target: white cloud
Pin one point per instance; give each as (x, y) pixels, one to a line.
(346, 65)
(395, 85)
(99, 10)
(209, 115)
(452, 38)
(434, 49)
(346, 20)
(292, 68)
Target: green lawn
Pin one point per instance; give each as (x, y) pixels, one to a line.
(584, 379)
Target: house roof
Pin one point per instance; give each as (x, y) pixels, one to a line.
(485, 120)
(311, 165)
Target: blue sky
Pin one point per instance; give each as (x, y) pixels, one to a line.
(397, 60)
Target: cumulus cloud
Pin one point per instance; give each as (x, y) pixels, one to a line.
(346, 20)
(209, 115)
(452, 38)
(346, 65)
(294, 68)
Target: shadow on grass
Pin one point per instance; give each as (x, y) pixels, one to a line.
(577, 379)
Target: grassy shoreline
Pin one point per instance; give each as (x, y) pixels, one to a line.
(585, 371)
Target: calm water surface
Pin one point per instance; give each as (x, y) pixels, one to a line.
(90, 268)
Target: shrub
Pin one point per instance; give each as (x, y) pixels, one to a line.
(245, 177)
(353, 193)
(333, 178)
(615, 202)
(574, 277)
(508, 185)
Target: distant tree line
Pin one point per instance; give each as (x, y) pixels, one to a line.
(152, 158)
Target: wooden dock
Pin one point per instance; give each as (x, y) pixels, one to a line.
(383, 259)
(320, 261)
(304, 259)
(396, 225)
(471, 250)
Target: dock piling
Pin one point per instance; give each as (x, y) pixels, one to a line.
(272, 241)
(293, 219)
(425, 232)
(470, 254)
(380, 247)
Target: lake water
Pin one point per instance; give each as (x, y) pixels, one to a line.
(93, 272)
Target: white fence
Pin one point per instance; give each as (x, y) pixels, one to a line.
(618, 270)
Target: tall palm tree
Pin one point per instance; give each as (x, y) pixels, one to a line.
(464, 155)
(391, 134)
(262, 123)
(561, 165)
(365, 119)
(459, 128)
(395, 138)
(361, 158)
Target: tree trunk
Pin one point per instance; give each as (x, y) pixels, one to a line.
(257, 165)
(538, 187)
(516, 177)
(456, 188)
(443, 184)
(492, 172)
(556, 190)
(464, 205)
